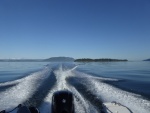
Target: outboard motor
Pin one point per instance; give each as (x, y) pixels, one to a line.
(62, 102)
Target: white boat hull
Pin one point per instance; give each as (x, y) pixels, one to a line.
(113, 107)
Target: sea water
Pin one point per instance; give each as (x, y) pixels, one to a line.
(33, 83)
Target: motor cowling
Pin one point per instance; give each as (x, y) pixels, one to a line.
(62, 102)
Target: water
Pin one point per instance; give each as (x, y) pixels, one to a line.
(33, 83)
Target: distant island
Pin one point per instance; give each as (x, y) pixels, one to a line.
(99, 60)
(59, 59)
(52, 59)
(63, 59)
(147, 60)
(21, 60)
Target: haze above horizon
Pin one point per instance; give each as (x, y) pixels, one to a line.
(38, 29)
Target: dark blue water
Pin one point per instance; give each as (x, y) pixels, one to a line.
(132, 76)
(14, 70)
(33, 83)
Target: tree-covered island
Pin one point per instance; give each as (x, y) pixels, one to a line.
(99, 60)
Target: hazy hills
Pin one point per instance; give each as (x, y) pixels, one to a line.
(65, 59)
(59, 59)
(52, 59)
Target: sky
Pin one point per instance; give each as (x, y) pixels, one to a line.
(75, 28)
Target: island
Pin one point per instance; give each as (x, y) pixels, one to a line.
(63, 59)
(147, 60)
(99, 60)
(60, 59)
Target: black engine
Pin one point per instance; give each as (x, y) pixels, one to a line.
(62, 102)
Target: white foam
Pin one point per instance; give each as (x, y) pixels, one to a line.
(23, 90)
(81, 105)
(84, 75)
(10, 83)
(26, 87)
(109, 93)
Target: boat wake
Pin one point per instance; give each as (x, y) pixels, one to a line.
(89, 92)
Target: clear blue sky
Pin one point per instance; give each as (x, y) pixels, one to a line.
(75, 28)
